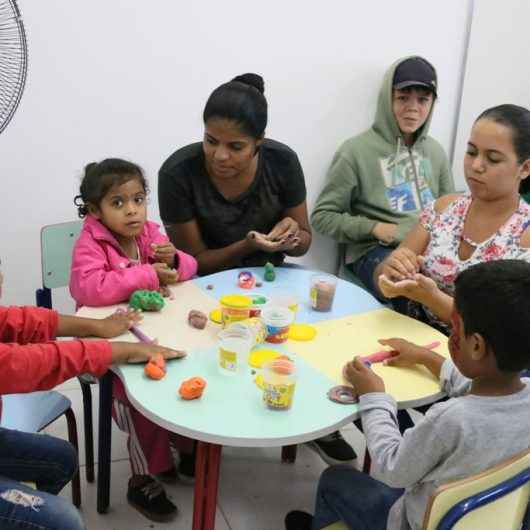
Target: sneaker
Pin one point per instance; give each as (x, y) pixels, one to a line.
(334, 449)
(150, 499)
(186, 468)
(297, 520)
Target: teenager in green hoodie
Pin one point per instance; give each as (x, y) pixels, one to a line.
(381, 179)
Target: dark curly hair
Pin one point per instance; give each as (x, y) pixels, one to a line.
(100, 177)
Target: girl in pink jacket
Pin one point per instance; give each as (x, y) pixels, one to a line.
(118, 252)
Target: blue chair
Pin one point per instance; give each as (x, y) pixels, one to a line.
(33, 412)
(57, 242)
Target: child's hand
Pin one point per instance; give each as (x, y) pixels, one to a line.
(118, 323)
(139, 352)
(363, 379)
(166, 276)
(408, 354)
(164, 253)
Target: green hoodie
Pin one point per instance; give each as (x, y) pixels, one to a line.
(375, 177)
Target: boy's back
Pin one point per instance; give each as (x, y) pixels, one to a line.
(458, 438)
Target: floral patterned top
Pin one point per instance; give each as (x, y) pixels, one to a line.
(442, 262)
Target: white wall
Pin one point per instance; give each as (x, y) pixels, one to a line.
(497, 66)
(129, 78)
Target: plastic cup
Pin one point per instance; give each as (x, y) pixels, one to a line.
(234, 347)
(279, 384)
(278, 321)
(284, 298)
(322, 291)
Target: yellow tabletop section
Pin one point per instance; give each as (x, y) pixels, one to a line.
(338, 341)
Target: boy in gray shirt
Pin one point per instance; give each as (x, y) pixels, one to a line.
(486, 421)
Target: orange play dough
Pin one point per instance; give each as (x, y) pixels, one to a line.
(192, 388)
(156, 367)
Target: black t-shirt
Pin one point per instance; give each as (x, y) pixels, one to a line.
(185, 192)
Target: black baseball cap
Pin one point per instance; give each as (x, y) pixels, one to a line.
(415, 72)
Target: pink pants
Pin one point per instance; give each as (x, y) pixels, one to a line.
(149, 444)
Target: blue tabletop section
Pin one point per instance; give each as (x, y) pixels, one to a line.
(231, 410)
(349, 298)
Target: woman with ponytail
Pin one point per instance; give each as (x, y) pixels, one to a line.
(236, 198)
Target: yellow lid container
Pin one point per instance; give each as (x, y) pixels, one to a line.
(234, 308)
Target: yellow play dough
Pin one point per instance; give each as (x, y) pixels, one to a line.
(302, 332)
(215, 316)
(258, 358)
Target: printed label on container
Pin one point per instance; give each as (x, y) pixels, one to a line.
(228, 360)
(277, 334)
(278, 396)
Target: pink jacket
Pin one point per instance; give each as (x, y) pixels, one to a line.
(103, 275)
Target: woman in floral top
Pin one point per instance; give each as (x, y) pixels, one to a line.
(490, 222)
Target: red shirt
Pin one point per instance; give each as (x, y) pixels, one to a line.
(31, 360)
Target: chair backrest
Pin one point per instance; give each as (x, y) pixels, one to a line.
(496, 498)
(57, 242)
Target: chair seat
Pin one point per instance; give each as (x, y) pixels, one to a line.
(32, 412)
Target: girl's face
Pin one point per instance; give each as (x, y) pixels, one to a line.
(490, 164)
(228, 151)
(123, 210)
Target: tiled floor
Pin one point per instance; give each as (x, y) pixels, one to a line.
(255, 492)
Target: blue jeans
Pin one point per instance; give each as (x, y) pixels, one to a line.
(50, 463)
(355, 498)
(364, 269)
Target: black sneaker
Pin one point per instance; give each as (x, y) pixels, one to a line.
(186, 468)
(334, 449)
(150, 499)
(297, 520)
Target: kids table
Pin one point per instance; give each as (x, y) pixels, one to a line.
(231, 411)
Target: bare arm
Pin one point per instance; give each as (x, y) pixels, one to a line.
(187, 237)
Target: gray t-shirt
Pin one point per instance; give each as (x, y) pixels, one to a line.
(457, 438)
(185, 192)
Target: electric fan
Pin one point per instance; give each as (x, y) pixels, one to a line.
(13, 60)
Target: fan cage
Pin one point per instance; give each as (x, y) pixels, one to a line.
(13, 60)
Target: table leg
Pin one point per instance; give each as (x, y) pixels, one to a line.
(206, 485)
(104, 441)
(289, 454)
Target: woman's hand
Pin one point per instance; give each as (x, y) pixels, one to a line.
(363, 379)
(259, 241)
(385, 232)
(401, 264)
(164, 253)
(284, 231)
(420, 288)
(166, 276)
(139, 352)
(118, 323)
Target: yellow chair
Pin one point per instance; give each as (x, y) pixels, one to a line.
(494, 499)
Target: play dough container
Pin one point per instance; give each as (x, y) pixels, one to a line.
(234, 308)
(259, 302)
(234, 347)
(284, 298)
(278, 320)
(279, 382)
(257, 328)
(322, 291)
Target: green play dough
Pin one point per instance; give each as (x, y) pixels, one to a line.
(146, 300)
